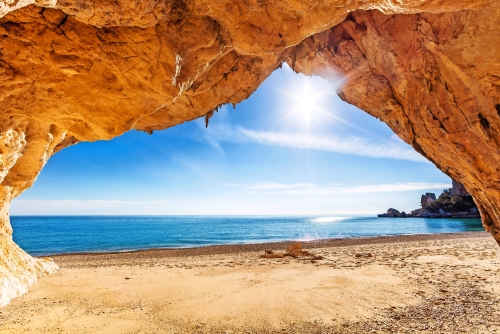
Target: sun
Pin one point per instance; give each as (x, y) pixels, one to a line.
(304, 100)
(307, 101)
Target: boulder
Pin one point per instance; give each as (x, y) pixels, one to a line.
(394, 212)
(294, 250)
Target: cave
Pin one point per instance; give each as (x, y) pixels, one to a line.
(76, 71)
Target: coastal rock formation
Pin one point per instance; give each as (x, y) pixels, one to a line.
(73, 71)
(448, 204)
(458, 189)
(427, 199)
(393, 213)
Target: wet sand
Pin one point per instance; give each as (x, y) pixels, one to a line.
(446, 283)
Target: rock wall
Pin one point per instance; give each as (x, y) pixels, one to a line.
(85, 70)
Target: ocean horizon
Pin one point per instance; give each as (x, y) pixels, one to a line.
(50, 235)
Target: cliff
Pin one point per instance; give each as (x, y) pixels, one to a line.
(453, 202)
(73, 71)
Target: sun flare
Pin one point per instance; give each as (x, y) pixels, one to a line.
(305, 99)
(308, 102)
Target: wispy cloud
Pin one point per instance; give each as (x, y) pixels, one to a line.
(335, 189)
(41, 206)
(346, 145)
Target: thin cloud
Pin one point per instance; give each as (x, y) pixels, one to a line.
(40, 206)
(335, 189)
(278, 186)
(345, 145)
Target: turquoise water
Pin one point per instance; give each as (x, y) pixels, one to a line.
(43, 235)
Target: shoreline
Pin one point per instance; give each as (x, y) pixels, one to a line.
(257, 247)
(430, 283)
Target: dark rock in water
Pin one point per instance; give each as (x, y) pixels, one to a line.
(393, 213)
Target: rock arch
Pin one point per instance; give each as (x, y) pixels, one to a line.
(75, 70)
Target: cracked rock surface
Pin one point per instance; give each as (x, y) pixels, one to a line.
(73, 71)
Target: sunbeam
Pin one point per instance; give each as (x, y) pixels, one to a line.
(306, 102)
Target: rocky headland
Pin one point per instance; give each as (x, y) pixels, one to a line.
(455, 202)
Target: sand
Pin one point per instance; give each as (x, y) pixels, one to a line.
(428, 283)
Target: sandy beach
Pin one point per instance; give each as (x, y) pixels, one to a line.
(425, 283)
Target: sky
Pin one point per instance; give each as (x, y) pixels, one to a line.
(292, 148)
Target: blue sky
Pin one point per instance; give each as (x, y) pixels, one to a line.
(292, 148)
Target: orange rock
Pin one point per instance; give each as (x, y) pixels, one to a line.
(294, 250)
(73, 73)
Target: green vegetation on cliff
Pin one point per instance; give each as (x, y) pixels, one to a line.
(449, 203)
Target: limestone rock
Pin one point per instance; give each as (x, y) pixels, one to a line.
(394, 212)
(427, 199)
(458, 189)
(272, 256)
(294, 250)
(73, 71)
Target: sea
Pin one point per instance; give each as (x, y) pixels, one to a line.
(46, 235)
